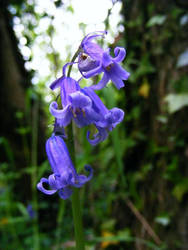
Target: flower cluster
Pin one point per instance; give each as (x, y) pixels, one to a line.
(84, 107)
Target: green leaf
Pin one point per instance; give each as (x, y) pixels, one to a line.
(176, 102)
(180, 189)
(108, 225)
(70, 8)
(22, 209)
(23, 130)
(156, 20)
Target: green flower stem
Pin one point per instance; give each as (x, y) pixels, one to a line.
(76, 206)
(73, 59)
(77, 217)
(59, 223)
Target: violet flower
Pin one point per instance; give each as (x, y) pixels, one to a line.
(109, 118)
(76, 105)
(85, 108)
(93, 61)
(64, 174)
(30, 211)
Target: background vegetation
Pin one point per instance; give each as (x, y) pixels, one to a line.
(137, 198)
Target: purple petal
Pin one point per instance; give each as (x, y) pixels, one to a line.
(101, 33)
(92, 115)
(65, 67)
(86, 62)
(59, 157)
(64, 174)
(81, 121)
(92, 35)
(31, 211)
(120, 72)
(116, 80)
(93, 72)
(93, 50)
(102, 123)
(102, 83)
(69, 86)
(98, 137)
(57, 83)
(44, 190)
(65, 193)
(82, 179)
(120, 54)
(64, 122)
(67, 176)
(57, 181)
(63, 116)
(79, 100)
(114, 116)
(106, 59)
(53, 182)
(98, 105)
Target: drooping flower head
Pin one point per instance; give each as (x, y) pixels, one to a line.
(90, 57)
(76, 105)
(90, 48)
(85, 108)
(93, 60)
(109, 118)
(64, 174)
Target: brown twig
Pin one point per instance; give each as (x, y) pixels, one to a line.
(143, 221)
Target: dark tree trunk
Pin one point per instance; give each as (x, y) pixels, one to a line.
(20, 112)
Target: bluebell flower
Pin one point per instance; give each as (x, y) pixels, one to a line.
(85, 107)
(30, 211)
(76, 105)
(91, 53)
(109, 118)
(64, 174)
(93, 60)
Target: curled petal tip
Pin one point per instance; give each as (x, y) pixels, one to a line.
(98, 137)
(56, 84)
(120, 54)
(89, 169)
(114, 116)
(44, 190)
(65, 66)
(64, 175)
(63, 116)
(82, 179)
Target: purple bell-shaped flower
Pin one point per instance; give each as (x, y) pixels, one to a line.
(109, 118)
(64, 174)
(93, 60)
(76, 105)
